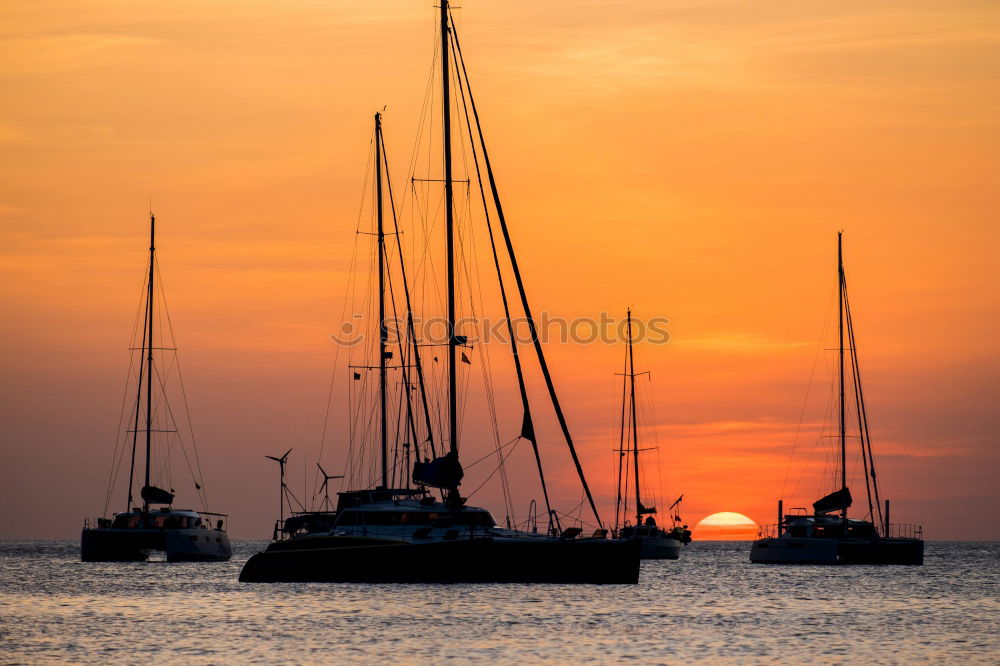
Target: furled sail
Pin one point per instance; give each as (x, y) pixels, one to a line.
(833, 502)
(154, 495)
(443, 472)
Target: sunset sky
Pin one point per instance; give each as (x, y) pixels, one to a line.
(691, 159)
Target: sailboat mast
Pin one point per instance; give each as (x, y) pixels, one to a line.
(382, 332)
(635, 432)
(840, 332)
(149, 353)
(450, 231)
(622, 461)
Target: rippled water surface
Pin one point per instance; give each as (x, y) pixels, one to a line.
(711, 605)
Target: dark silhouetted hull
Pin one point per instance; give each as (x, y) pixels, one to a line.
(340, 559)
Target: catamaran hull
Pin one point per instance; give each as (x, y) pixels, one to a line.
(804, 550)
(657, 548)
(108, 544)
(113, 545)
(481, 560)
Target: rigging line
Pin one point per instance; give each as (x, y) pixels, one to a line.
(402, 391)
(369, 429)
(396, 440)
(498, 467)
(863, 411)
(635, 428)
(148, 342)
(805, 401)
(405, 374)
(367, 301)
(484, 365)
(121, 439)
(121, 442)
(621, 446)
(420, 207)
(410, 326)
(648, 396)
(520, 285)
(527, 426)
(824, 428)
(628, 456)
(170, 412)
(138, 395)
(350, 295)
(349, 462)
(486, 369)
(857, 401)
(569, 515)
(490, 454)
(180, 378)
(425, 266)
(425, 110)
(487, 375)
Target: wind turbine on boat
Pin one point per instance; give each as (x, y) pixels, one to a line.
(281, 460)
(325, 487)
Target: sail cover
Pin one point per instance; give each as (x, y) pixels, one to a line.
(154, 495)
(833, 502)
(444, 472)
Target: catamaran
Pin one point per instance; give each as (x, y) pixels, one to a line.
(828, 535)
(184, 535)
(655, 542)
(416, 526)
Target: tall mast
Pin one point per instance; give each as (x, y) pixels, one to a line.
(135, 417)
(840, 332)
(382, 332)
(622, 461)
(149, 353)
(450, 231)
(635, 432)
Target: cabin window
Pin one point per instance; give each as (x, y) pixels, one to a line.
(172, 522)
(410, 518)
(125, 521)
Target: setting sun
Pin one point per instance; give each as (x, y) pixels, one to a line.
(725, 526)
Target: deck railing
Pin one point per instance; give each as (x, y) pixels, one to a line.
(906, 531)
(767, 531)
(896, 531)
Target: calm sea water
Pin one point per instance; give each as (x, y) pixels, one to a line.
(712, 605)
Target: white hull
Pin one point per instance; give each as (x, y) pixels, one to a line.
(135, 544)
(657, 548)
(789, 550)
(197, 546)
(182, 535)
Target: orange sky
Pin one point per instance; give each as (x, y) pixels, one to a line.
(691, 159)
